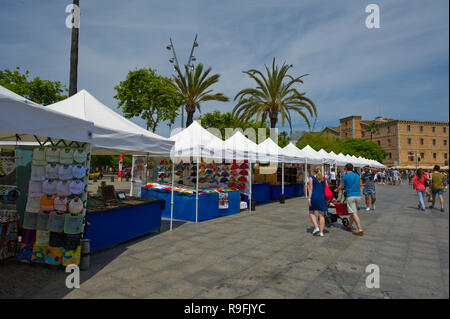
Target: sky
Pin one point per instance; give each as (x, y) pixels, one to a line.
(400, 70)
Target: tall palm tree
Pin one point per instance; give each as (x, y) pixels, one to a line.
(372, 128)
(192, 89)
(275, 94)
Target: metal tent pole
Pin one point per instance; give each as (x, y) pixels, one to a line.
(171, 196)
(196, 193)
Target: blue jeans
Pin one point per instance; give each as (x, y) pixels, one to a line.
(421, 195)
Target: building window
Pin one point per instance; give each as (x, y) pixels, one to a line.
(445, 142)
(410, 156)
(434, 141)
(408, 128)
(378, 143)
(421, 128)
(445, 155)
(409, 141)
(433, 129)
(389, 141)
(434, 155)
(421, 141)
(390, 155)
(444, 129)
(389, 129)
(362, 134)
(422, 155)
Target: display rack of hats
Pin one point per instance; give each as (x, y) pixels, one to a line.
(54, 213)
(164, 171)
(239, 175)
(290, 174)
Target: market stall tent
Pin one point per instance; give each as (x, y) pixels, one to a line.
(313, 153)
(240, 147)
(327, 158)
(28, 119)
(197, 142)
(112, 133)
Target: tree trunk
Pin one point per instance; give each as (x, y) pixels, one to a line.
(190, 118)
(273, 121)
(74, 53)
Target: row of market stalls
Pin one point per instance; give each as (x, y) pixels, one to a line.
(194, 175)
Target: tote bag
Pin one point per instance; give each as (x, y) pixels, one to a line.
(328, 192)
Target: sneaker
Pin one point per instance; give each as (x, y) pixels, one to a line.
(320, 234)
(316, 231)
(373, 207)
(368, 208)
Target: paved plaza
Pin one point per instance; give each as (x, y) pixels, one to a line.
(268, 253)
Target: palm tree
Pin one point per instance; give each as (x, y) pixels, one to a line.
(192, 88)
(274, 94)
(372, 128)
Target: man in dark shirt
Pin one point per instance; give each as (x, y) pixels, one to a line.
(368, 182)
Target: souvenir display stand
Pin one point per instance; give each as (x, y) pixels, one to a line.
(55, 213)
(219, 189)
(8, 212)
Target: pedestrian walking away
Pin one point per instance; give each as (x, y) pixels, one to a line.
(437, 187)
(419, 181)
(368, 182)
(316, 200)
(350, 182)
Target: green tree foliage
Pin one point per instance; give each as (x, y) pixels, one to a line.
(141, 95)
(283, 139)
(221, 121)
(275, 94)
(106, 161)
(192, 88)
(43, 92)
(352, 146)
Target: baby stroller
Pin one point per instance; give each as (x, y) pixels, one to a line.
(340, 211)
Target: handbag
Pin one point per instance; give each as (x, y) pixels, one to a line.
(328, 192)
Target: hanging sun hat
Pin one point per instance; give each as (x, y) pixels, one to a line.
(234, 166)
(242, 186)
(225, 174)
(243, 166)
(232, 185)
(202, 165)
(224, 180)
(243, 172)
(243, 179)
(225, 168)
(234, 173)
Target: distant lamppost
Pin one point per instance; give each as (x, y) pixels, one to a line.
(174, 60)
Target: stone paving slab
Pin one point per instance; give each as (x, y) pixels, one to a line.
(268, 253)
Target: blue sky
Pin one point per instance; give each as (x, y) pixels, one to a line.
(400, 70)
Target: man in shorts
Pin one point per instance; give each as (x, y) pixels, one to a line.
(437, 187)
(368, 182)
(350, 182)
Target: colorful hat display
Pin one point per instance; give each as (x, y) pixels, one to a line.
(209, 171)
(224, 180)
(243, 172)
(243, 179)
(234, 173)
(233, 179)
(232, 185)
(164, 162)
(225, 174)
(243, 166)
(202, 173)
(235, 166)
(242, 186)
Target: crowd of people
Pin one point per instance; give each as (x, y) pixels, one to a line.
(351, 184)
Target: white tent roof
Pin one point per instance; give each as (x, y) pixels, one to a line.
(313, 153)
(240, 147)
(196, 141)
(270, 151)
(301, 156)
(111, 130)
(21, 116)
(328, 159)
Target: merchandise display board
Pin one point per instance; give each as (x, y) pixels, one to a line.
(8, 212)
(54, 217)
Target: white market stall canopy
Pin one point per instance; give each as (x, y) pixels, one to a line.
(112, 133)
(28, 119)
(195, 141)
(327, 158)
(300, 156)
(269, 151)
(241, 148)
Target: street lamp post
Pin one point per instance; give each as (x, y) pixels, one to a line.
(189, 65)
